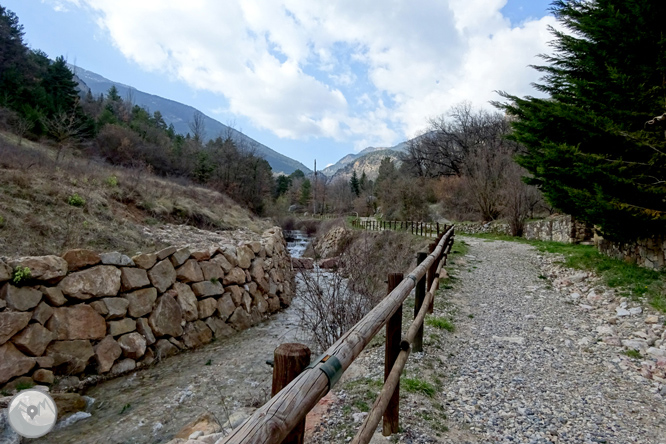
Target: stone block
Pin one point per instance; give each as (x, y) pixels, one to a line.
(245, 256)
(225, 306)
(197, 334)
(53, 296)
(42, 313)
(145, 260)
(133, 345)
(179, 257)
(123, 366)
(220, 328)
(77, 322)
(116, 307)
(117, 328)
(235, 277)
(187, 301)
(133, 278)
(13, 363)
(222, 261)
(79, 258)
(211, 271)
(106, 353)
(143, 327)
(20, 298)
(240, 320)
(207, 307)
(43, 376)
(43, 268)
(99, 281)
(33, 340)
(206, 288)
(162, 275)
(164, 349)
(70, 357)
(190, 271)
(117, 259)
(11, 323)
(141, 302)
(166, 317)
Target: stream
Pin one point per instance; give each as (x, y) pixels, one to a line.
(228, 378)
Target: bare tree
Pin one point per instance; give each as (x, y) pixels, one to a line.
(198, 127)
(21, 126)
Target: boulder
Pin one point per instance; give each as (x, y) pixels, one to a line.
(33, 340)
(330, 263)
(42, 313)
(257, 269)
(20, 298)
(255, 246)
(240, 319)
(165, 318)
(260, 302)
(302, 262)
(43, 268)
(190, 271)
(123, 366)
(106, 353)
(273, 304)
(207, 307)
(168, 251)
(70, 357)
(235, 277)
(162, 275)
(187, 301)
(179, 345)
(211, 271)
(197, 334)
(145, 260)
(236, 294)
(220, 328)
(78, 259)
(11, 323)
(5, 272)
(222, 261)
(53, 296)
(43, 376)
(99, 281)
(225, 306)
(245, 256)
(141, 302)
(133, 278)
(116, 307)
(13, 363)
(77, 322)
(44, 361)
(256, 316)
(117, 259)
(164, 348)
(117, 328)
(202, 255)
(179, 257)
(143, 327)
(133, 345)
(229, 252)
(100, 307)
(206, 288)
(67, 403)
(148, 358)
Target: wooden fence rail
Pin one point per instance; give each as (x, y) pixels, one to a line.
(427, 229)
(274, 420)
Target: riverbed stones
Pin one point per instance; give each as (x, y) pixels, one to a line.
(196, 334)
(207, 307)
(13, 362)
(235, 277)
(76, 322)
(240, 319)
(145, 260)
(99, 281)
(20, 298)
(116, 307)
(207, 289)
(81, 258)
(70, 357)
(117, 328)
(190, 271)
(11, 323)
(133, 345)
(133, 278)
(225, 306)
(33, 340)
(141, 302)
(43, 268)
(106, 353)
(165, 318)
(162, 275)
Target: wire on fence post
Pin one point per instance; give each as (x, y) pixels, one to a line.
(393, 337)
(417, 346)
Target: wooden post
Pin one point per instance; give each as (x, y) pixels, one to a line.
(437, 230)
(417, 346)
(289, 361)
(392, 350)
(432, 271)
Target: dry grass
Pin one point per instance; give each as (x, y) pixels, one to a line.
(47, 207)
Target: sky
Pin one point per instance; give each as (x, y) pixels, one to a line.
(310, 79)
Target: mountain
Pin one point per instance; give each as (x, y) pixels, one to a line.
(180, 115)
(369, 158)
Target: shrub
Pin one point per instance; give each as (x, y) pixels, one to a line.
(76, 201)
(20, 275)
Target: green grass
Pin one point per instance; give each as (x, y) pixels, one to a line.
(441, 323)
(630, 279)
(413, 385)
(24, 385)
(125, 408)
(633, 354)
(362, 405)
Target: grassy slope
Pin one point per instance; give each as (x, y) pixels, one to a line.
(47, 207)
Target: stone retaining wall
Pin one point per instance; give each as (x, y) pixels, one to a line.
(648, 253)
(89, 313)
(560, 228)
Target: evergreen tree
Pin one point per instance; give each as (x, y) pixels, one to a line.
(355, 184)
(589, 145)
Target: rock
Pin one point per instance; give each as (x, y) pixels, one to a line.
(13, 363)
(123, 366)
(220, 328)
(207, 307)
(205, 423)
(33, 340)
(44, 361)
(143, 327)
(162, 254)
(652, 319)
(116, 307)
(222, 261)
(240, 319)
(273, 304)
(162, 275)
(145, 260)
(20, 298)
(133, 278)
(187, 301)
(202, 255)
(615, 341)
(43, 376)
(236, 294)
(511, 339)
(148, 358)
(256, 316)
(211, 271)
(190, 271)
(78, 259)
(330, 263)
(67, 383)
(117, 328)
(635, 344)
(11, 323)
(179, 257)
(359, 417)
(594, 298)
(99, 281)
(165, 318)
(141, 302)
(53, 296)
(133, 345)
(67, 403)
(117, 259)
(100, 307)
(229, 253)
(260, 302)
(635, 311)
(576, 278)
(197, 334)
(606, 330)
(225, 306)
(257, 269)
(244, 254)
(106, 353)
(246, 301)
(42, 313)
(77, 322)
(235, 276)
(302, 262)
(656, 353)
(19, 384)
(43, 268)
(622, 312)
(164, 348)
(70, 357)
(5, 272)
(207, 288)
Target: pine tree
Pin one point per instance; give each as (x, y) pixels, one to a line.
(355, 184)
(588, 145)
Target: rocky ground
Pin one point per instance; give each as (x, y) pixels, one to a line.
(538, 354)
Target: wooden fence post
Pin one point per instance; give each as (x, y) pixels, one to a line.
(431, 276)
(419, 296)
(392, 350)
(289, 360)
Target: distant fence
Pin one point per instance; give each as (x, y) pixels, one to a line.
(426, 229)
(281, 419)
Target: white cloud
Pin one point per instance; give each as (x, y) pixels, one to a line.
(364, 72)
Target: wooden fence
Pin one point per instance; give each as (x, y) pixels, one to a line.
(426, 229)
(285, 412)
